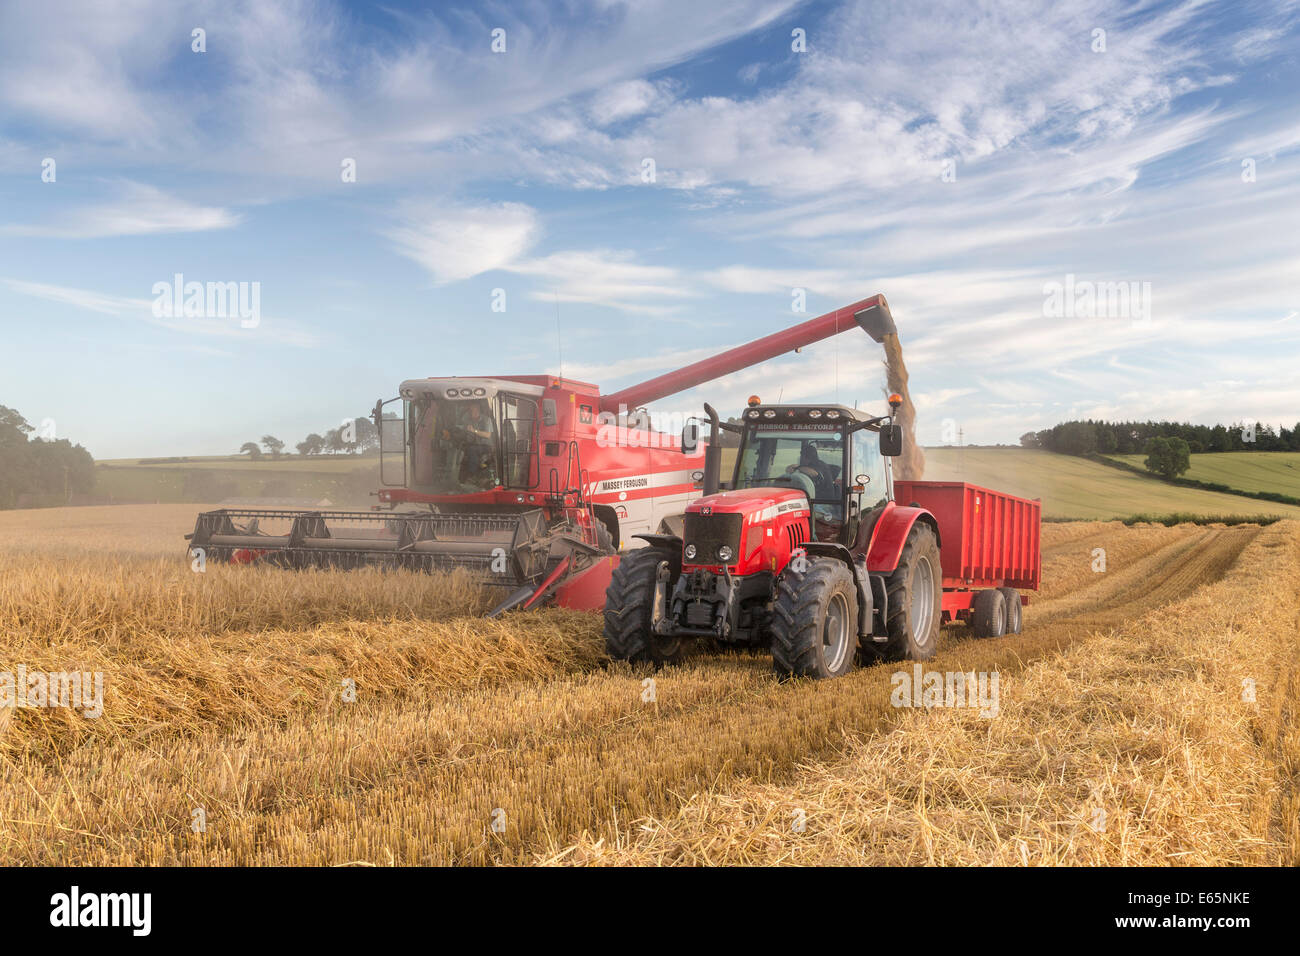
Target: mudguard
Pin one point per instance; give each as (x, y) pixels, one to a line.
(670, 542)
(866, 600)
(890, 534)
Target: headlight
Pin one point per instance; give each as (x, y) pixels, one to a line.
(480, 391)
(770, 413)
(451, 393)
(725, 553)
(467, 392)
(690, 551)
(814, 413)
(753, 413)
(832, 413)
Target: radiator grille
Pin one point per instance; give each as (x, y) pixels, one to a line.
(710, 532)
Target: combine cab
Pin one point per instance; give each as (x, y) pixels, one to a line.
(807, 552)
(534, 481)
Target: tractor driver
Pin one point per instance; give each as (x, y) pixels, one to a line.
(808, 473)
(810, 476)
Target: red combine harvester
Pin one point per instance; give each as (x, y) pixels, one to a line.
(535, 480)
(808, 551)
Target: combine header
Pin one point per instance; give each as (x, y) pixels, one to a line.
(534, 480)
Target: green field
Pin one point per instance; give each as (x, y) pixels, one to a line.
(1077, 488)
(1069, 487)
(343, 479)
(1275, 471)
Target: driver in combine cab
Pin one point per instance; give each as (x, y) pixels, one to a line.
(475, 426)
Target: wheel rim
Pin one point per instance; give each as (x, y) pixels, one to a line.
(835, 633)
(922, 600)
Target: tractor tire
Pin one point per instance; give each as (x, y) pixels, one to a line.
(989, 614)
(1014, 618)
(913, 620)
(628, 601)
(815, 620)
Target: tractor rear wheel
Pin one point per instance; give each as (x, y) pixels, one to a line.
(815, 620)
(989, 614)
(1012, 598)
(629, 608)
(915, 594)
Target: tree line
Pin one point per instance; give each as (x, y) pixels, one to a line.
(50, 468)
(1090, 437)
(353, 437)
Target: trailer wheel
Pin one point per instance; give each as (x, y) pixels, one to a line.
(629, 601)
(1014, 618)
(815, 620)
(915, 593)
(989, 614)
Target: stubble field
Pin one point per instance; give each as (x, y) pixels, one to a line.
(1125, 732)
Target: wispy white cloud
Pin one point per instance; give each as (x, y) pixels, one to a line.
(458, 242)
(267, 331)
(139, 210)
(607, 277)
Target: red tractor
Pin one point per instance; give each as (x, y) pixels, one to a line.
(806, 551)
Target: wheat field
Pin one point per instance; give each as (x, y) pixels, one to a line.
(363, 718)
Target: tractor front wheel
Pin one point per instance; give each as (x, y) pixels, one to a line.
(815, 620)
(629, 610)
(915, 594)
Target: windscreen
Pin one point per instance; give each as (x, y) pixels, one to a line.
(455, 444)
(808, 460)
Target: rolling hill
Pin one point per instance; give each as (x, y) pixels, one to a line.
(1077, 488)
(1276, 471)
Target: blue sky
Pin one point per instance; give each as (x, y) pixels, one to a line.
(1163, 152)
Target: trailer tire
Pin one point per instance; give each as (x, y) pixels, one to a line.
(628, 601)
(815, 620)
(989, 613)
(1015, 620)
(918, 573)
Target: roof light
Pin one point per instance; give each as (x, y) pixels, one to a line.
(467, 392)
(480, 391)
(814, 413)
(770, 413)
(753, 400)
(895, 399)
(753, 413)
(832, 413)
(451, 393)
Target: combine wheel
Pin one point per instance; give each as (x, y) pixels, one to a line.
(815, 620)
(915, 591)
(1012, 598)
(989, 614)
(629, 604)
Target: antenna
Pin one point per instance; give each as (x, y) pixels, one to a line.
(559, 343)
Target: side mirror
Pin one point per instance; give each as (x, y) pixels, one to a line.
(891, 441)
(690, 438)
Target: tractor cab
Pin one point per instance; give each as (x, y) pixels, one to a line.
(837, 457)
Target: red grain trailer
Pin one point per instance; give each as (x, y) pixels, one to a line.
(989, 541)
